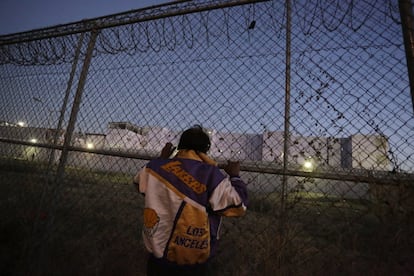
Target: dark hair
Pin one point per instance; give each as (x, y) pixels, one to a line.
(194, 138)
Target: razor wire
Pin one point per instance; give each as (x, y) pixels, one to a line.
(155, 72)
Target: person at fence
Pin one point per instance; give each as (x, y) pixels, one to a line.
(186, 197)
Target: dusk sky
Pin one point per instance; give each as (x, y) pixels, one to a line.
(348, 73)
(26, 15)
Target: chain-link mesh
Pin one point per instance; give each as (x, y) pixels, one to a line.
(313, 97)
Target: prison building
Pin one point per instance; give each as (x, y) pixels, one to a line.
(129, 137)
(235, 146)
(272, 146)
(94, 140)
(359, 151)
(369, 151)
(334, 152)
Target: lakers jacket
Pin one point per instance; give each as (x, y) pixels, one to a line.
(185, 200)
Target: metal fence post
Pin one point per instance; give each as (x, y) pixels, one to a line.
(75, 107)
(286, 133)
(55, 188)
(408, 35)
(65, 100)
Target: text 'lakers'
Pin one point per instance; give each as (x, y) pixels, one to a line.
(175, 168)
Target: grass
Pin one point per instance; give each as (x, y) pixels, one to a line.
(90, 225)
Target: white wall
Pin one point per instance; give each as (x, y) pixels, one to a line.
(365, 151)
(334, 152)
(308, 148)
(370, 152)
(272, 147)
(235, 146)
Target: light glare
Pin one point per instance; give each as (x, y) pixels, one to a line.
(308, 165)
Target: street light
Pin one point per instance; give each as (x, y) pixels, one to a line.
(21, 124)
(308, 165)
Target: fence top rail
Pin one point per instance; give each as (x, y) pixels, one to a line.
(135, 16)
(354, 175)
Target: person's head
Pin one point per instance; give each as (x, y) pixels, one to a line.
(194, 139)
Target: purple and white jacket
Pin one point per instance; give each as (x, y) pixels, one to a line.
(185, 200)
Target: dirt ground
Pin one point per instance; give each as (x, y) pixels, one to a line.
(90, 224)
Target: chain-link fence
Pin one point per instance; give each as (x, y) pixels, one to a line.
(313, 97)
